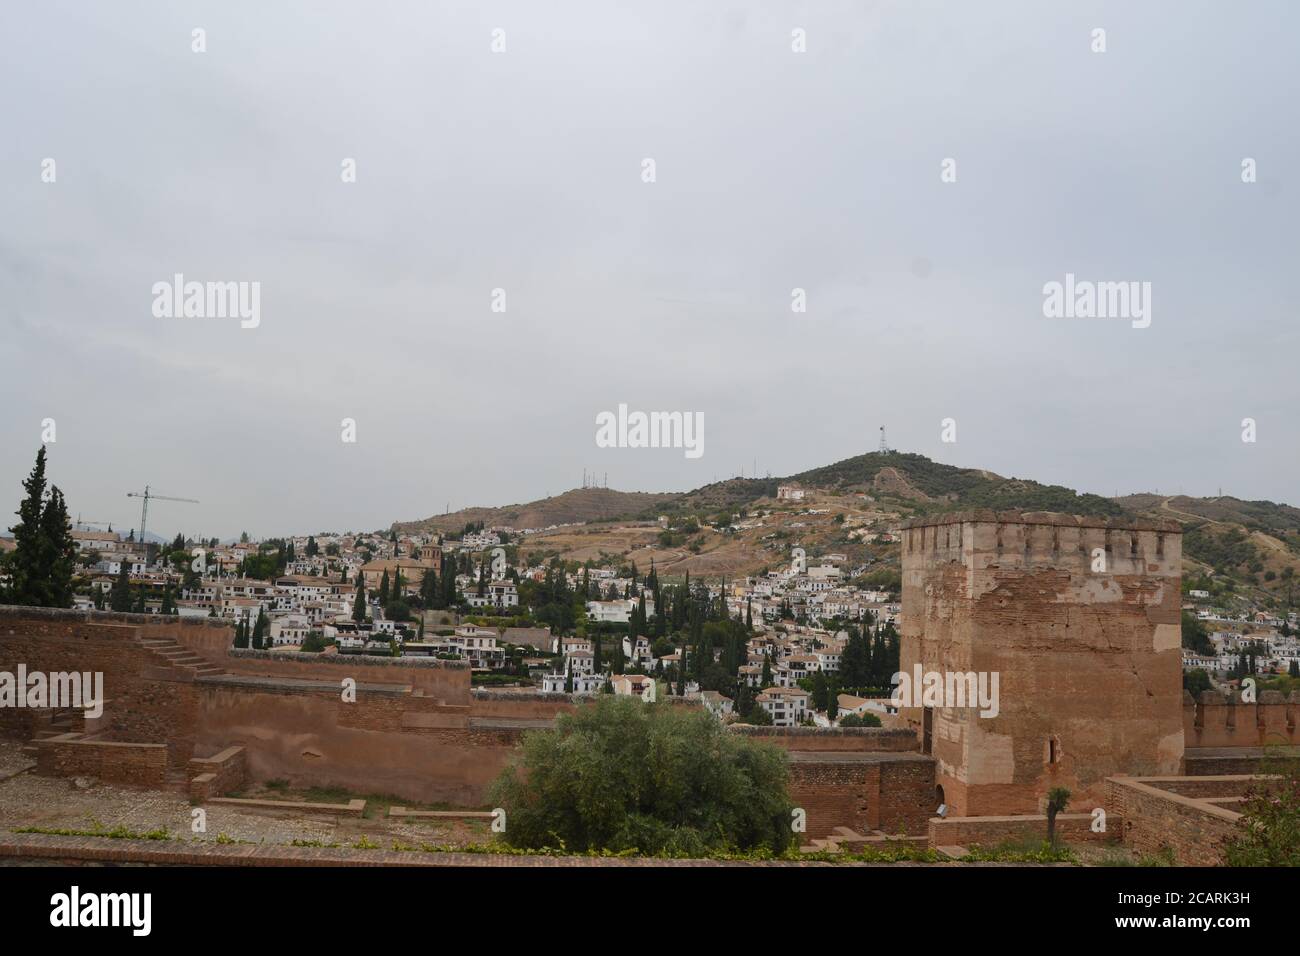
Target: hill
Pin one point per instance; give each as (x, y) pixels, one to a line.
(1255, 545)
(573, 507)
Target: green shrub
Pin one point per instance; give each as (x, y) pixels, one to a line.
(620, 775)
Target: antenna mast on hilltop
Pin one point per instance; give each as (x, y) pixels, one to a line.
(884, 445)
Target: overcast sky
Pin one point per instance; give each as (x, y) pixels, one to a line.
(523, 170)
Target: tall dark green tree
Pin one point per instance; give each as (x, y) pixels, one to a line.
(41, 565)
(120, 600)
(359, 604)
(56, 533)
(259, 630)
(449, 597)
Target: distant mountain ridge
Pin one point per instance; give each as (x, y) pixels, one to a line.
(1247, 540)
(926, 486)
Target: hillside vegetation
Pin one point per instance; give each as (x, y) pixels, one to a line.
(1251, 546)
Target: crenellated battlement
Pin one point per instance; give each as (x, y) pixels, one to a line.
(1219, 720)
(1013, 539)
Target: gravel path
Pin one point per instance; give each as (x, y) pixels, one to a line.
(27, 800)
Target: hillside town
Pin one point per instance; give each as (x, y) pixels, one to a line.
(551, 626)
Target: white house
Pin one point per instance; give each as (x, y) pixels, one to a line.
(787, 706)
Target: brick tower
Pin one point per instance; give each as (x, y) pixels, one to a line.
(1080, 619)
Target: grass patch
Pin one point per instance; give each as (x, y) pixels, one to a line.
(114, 833)
(1022, 851)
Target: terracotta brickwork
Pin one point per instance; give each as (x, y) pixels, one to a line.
(990, 831)
(411, 731)
(1157, 820)
(1219, 721)
(147, 703)
(132, 764)
(310, 736)
(893, 793)
(1088, 660)
(217, 775)
(445, 681)
(833, 739)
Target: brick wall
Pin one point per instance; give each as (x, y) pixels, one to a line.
(1219, 721)
(520, 705)
(448, 681)
(218, 775)
(132, 764)
(144, 704)
(990, 831)
(311, 737)
(1156, 820)
(832, 739)
(862, 791)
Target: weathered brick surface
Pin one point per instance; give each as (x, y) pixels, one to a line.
(1088, 661)
(836, 739)
(132, 764)
(990, 831)
(146, 703)
(1157, 820)
(1216, 762)
(219, 774)
(863, 791)
(445, 681)
(1217, 721)
(309, 736)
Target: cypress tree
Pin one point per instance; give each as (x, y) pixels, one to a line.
(60, 549)
(448, 587)
(819, 693)
(120, 599)
(359, 605)
(259, 630)
(383, 589)
(42, 563)
(26, 563)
